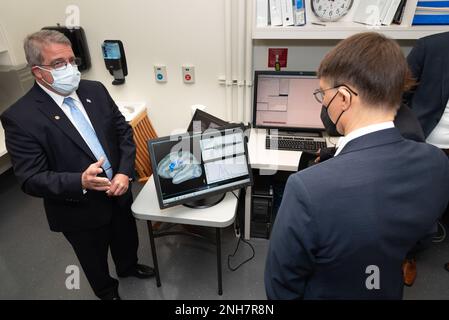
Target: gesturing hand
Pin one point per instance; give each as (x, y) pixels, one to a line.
(119, 185)
(90, 181)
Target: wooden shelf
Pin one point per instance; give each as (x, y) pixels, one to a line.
(342, 31)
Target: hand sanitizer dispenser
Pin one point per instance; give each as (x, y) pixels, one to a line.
(115, 60)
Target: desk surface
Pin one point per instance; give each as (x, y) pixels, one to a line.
(146, 207)
(262, 158)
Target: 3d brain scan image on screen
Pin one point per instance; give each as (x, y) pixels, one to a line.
(179, 166)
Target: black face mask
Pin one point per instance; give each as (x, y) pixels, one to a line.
(331, 128)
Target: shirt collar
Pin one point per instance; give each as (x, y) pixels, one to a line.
(57, 97)
(361, 132)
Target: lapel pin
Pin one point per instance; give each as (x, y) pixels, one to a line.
(88, 100)
(57, 117)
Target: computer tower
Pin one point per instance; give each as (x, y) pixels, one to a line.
(266, 198)
(77, 37)
(261, 211)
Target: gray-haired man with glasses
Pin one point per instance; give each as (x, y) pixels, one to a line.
(70, 145)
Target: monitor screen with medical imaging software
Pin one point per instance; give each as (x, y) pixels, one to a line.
(284, 100)
(194, 168)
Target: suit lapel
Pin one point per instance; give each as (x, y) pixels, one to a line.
(96, 117)
(373, 140)
(445, 83)
(56, 116)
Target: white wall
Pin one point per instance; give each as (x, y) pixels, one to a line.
(158, 32)
(153, 32)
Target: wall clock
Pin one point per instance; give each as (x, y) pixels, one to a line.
(331, 10)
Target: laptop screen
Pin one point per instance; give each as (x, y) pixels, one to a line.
(284, 100)
(201, 121)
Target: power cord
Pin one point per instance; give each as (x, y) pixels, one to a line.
(245, 261)
(237, 247)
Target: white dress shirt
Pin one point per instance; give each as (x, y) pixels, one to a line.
(361, 132)
(59, 100)
(439, 137)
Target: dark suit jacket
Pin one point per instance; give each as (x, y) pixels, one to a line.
(49, 155)
(429, 64)
(367, 206)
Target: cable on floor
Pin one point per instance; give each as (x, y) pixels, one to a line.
(235, 251)
(237, 247)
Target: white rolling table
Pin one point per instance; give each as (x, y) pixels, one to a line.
(221, 215)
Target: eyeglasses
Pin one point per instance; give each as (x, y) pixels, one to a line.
(62, 65)
(319, 93)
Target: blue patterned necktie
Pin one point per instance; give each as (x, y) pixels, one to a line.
(88, 133)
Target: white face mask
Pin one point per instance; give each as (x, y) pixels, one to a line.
(64, 81)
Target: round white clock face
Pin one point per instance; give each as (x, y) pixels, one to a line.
(331, 10)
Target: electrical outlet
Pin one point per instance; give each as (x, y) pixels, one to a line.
(188, 74)
(160, 73)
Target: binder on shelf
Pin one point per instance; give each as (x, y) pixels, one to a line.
(371, 12)
(287, 13)
(400, 12)
(439, 19)
(391, 11)
(300, 13)
(275, 12)
(377, 12)
(383, 9)
(432, 4)
(262, 13)
(431, 13)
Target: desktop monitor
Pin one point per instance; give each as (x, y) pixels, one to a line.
(284, 100)
(201, 121)
(197, 169)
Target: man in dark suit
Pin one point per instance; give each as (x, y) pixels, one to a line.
(345, 225)
(70, 145)
(429, 100)
(409, 127)
(429, 64)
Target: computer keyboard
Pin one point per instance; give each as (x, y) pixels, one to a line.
(294, 143)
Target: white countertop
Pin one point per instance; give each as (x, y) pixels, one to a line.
(130, 109)
(2, 142)
(267, 159)
(146, 207)
(262, 158)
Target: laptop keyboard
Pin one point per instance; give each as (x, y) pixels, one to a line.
(294, 143)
